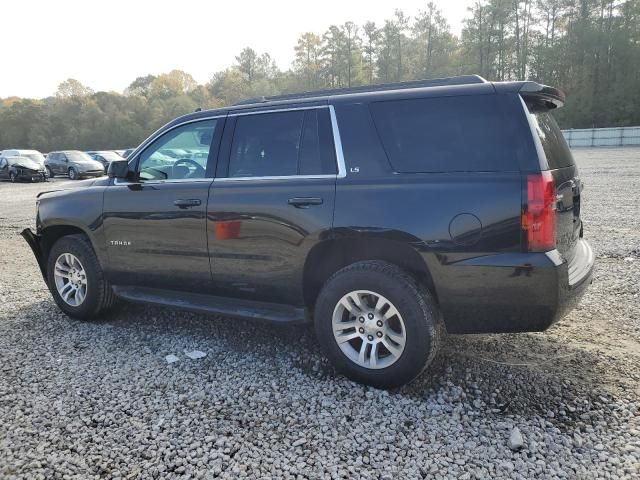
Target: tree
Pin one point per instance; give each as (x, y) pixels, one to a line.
(73, 88)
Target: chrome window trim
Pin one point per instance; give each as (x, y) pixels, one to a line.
(268, 178)
(160, 182)
(276, 110)
(337, 142)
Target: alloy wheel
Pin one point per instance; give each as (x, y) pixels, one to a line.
(70, 279)
(369, 329)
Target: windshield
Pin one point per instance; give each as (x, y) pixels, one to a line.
(79, 157)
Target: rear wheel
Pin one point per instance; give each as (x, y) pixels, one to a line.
(75, 278)
(12, 177)
(73, 174)
(377, 324)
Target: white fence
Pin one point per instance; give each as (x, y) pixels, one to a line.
(602, 137)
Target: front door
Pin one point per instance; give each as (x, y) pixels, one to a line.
(271, 202)
(155, 224)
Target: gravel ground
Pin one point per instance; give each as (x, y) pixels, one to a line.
(99, 400)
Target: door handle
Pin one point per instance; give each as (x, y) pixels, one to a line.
(187, 203)
(304, 202)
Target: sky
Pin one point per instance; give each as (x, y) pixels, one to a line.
(106, 44)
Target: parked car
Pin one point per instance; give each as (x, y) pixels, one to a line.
(34, 155)
(127, 152)
(21, 169)
(385, 215)
(74, 163)
(105, 157)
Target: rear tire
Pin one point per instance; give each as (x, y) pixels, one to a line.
(73, 174)
(12, 177)
(396, 311)
(75, 251)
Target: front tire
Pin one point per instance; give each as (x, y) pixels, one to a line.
(73, 174)
(12, 177)
(377, 324)
(76, 280)
(49, 172)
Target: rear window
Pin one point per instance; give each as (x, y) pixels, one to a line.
(553, 143)
(446, 134)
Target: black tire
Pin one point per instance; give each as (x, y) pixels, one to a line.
(414, 303)
(49, 172)
(99, 296)
(73, 174)
(12, 177)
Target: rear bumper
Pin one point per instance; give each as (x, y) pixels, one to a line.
(519, 292)
(34, 242)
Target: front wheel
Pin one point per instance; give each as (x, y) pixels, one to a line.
(73, 174)
(49, 172)
(76, 280)
(12, 177)
(376, 324)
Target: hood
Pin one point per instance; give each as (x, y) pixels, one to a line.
(77, 185)
(88, 164)
(27, 163)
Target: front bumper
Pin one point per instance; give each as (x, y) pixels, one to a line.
(516, 292)
(33, 240)
(27, 176)
(91, 174)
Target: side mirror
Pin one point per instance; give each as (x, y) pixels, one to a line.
(118, 169)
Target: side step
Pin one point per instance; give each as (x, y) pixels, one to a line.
(229, 307)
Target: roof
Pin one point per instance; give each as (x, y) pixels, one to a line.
(471, 84)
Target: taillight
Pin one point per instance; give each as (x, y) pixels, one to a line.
(539, 213)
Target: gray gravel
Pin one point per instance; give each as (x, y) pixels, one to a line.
(98, 399)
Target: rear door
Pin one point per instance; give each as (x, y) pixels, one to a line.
(566, 178)
(155, 224)
(271, 201)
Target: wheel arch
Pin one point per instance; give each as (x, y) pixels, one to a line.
(52, 233)
(329, 256)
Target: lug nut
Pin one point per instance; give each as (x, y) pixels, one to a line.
(379, 323)
(361, 330)
(370, 316)
(361, 319)
(370, 337)
(379, 334)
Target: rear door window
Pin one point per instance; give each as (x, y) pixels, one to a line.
(277, 144)
(553, 143)
(446, 134)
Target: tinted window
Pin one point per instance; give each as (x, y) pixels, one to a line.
(282, 144)
(555, 147)
(446, 134)
(181, 153)
(317, 156)
(266, 145)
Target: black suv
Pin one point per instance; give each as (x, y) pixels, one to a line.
(385, 215)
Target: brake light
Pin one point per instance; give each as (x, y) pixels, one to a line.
(539, 213)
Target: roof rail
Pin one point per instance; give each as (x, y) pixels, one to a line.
(433, 82)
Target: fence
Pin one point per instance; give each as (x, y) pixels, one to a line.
(603, 137)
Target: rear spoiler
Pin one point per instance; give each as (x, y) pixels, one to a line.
(536, 93)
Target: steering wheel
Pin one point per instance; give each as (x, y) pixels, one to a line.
(199, 170)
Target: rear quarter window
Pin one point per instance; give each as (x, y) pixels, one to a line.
(447, 134)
